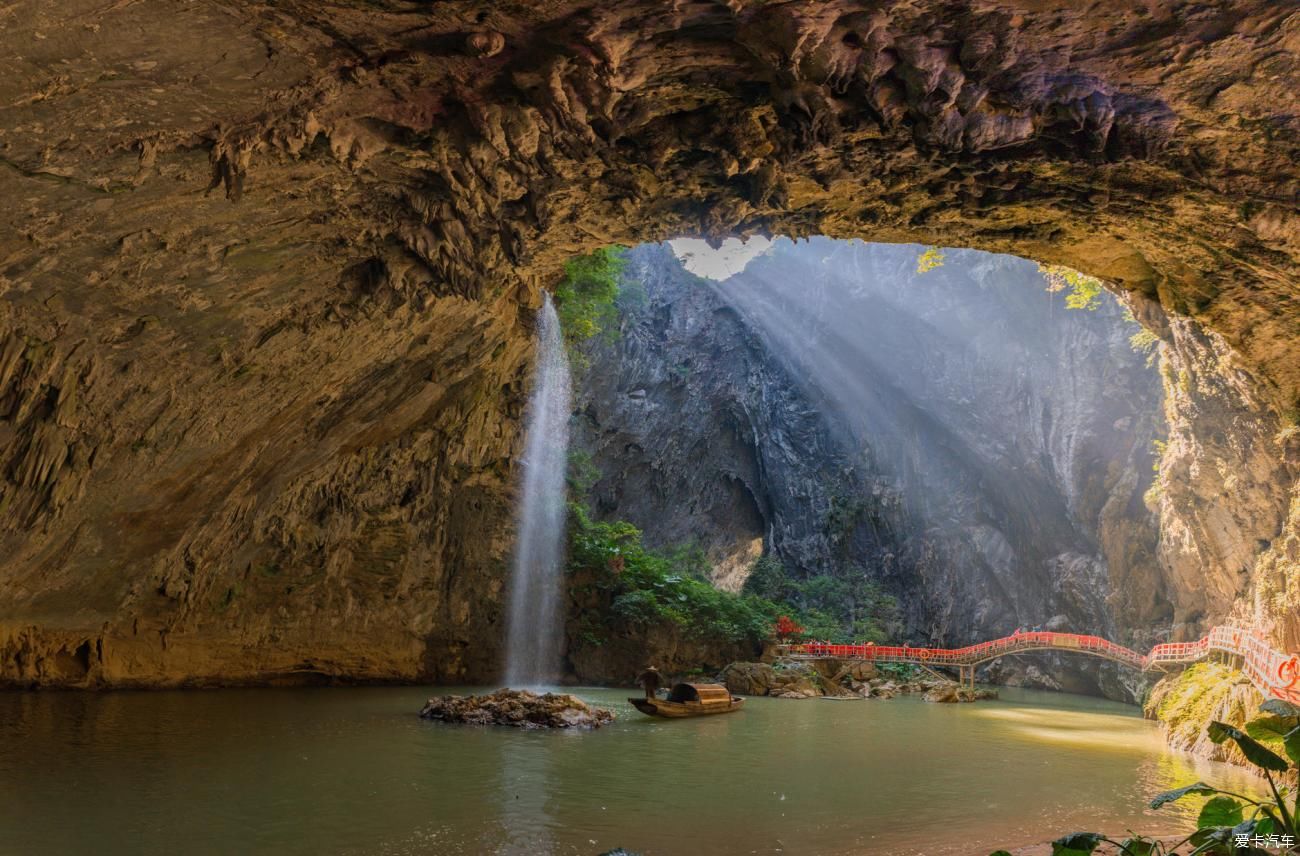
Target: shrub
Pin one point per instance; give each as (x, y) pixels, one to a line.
(1145, 342)
(648, 586)
(767, 579)
(582, 474)
(651, 586)
(844, 606)
(585, 298)
(786, 628)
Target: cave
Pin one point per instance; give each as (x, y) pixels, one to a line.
(248, 311)
(271, 272)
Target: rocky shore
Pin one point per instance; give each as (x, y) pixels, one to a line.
(839, 679)
(517, 708)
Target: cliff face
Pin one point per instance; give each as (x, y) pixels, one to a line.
(265, 271)
(1227, 479)
(700, 436)
(958, 436)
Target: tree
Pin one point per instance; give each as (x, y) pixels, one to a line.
(786, 629)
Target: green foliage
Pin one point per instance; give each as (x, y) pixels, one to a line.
(691, 560)
(647, 587)
(1219, 811)
(1226, 817)
(1078, 844)
(1255, 752)
(582, 474)
(1084, 292)
(843, 518)
(586, 297)
(767, 580)
(650, 587)
(929, 260)
(901, 672)
(842, 607)
(1151, 497)
(1158, 448)
(633, 298)
(1145, 342)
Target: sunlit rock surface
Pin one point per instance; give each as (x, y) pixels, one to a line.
(267, 272)
(957, 436)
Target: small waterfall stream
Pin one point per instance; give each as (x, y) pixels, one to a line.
(533, 643)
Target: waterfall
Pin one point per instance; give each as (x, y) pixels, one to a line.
(536, 623)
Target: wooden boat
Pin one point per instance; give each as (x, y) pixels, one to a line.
(690, 700)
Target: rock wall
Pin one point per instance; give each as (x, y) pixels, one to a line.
(700, 436)
(266, 269)
(1227, 544)
(157, 533)
(988, 469)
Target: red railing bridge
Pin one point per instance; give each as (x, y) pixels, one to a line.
(1274, 673)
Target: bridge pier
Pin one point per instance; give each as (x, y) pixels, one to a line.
(966, 677)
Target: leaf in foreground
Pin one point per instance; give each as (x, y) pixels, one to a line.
(1078, 844)
(1255, 752)
(1139, 846)
(1219, 811)
(1199, 789)
(1279, 707)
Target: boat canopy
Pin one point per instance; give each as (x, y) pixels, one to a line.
(706, 694)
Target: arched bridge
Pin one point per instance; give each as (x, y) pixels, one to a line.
(1274, 673)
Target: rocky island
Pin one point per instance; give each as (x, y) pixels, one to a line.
(518, 709)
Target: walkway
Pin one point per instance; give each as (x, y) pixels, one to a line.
(1274, 673)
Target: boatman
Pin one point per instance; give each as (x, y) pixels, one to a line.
(650, 679)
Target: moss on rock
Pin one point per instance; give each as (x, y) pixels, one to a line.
(1185, 703)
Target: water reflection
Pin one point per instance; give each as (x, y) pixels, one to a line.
(355, 772)
(525, 786)
(1094, 731)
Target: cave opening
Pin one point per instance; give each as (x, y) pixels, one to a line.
(891, 442)
(266, 326)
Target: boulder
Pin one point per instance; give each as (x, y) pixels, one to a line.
(804, 692)
(860, 671)
(945, 694)
(952, 693)
(751, 679)
(518, 709)
(794, 685)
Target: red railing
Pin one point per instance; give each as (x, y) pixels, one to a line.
(1274, 673)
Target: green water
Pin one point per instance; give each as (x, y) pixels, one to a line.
(354, 771)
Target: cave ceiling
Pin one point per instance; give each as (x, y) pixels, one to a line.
(258, 254)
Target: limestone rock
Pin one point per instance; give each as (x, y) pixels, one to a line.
(950, 693)
(267, 309)
(518, 709)
(770, 462)
(752, 679)
(945, 694)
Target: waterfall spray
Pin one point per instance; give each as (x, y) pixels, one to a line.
(535, 631)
